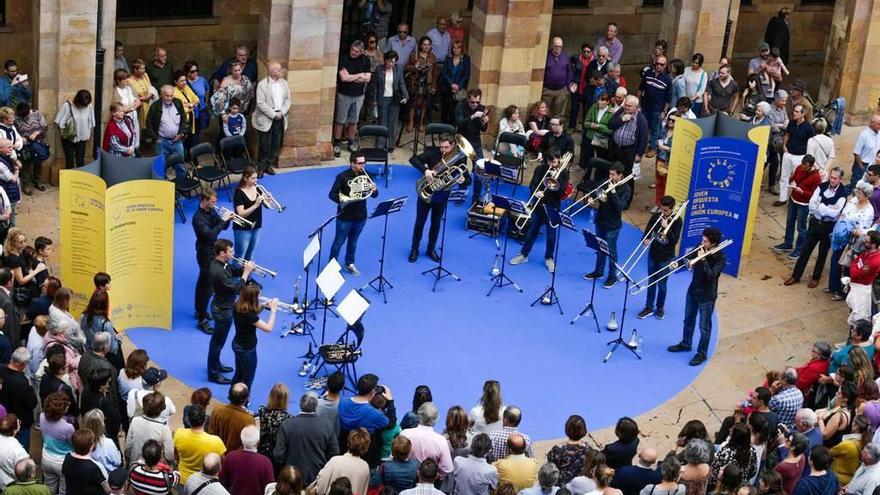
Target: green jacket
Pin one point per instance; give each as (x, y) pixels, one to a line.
(593, 117)
(154, 115)
(26, 488)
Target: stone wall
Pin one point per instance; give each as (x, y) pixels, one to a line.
(809, 28)
(17, 38)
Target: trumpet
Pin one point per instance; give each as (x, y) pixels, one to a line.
(269, 200)
(598, 194)
(236, 218)
(258, 270)
(282, 306)
(699, 254)
(657, 232)
(452, 166)
(550, 182)
(360, 188)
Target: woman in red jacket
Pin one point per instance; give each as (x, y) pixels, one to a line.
(119, 134)
(809, 373)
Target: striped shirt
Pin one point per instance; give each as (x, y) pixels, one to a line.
(146, 481)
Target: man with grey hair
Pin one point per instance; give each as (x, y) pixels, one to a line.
(306, 440)
(806, 421)
(629, 137)
(270, 116)
(613, 79)
(548, 477)
(16, 394)
(166, 123)
(510, 424)
(558, 81)
(473, 475)
(631, 479)
(26, 480)
(206, 481)
(427, 443)
(352, 78)
(867, 476)
(242, 56)
(787, 398)
(96, 359)
(246, 471)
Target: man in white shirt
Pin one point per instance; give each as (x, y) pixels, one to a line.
(441, 41)
(867, 476)
(427, 443)
(865, 150)
(270, 116)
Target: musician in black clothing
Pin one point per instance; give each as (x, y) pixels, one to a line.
(557, 138)
(660, 254)
(609, 209)
(430, 163)
(227, 283)
(207, 224)
(351, 215)
(701, 296)
(471, 119)
(550, 195)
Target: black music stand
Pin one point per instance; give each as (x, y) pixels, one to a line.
(555, 220)
(302, 326)
(502, 280)
(491, 170)
(384, 208)
(439, 272)
(619, 341)
(600, 246)
(317, 303)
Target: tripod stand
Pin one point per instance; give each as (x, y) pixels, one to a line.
(417, 116)
(599, 245)
(555, 220)
(385, 208)
(317, 302)
(439, 272)
(619, 341)
(502, 280)
(303, 327)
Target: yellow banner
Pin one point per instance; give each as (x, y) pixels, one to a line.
(681, 159)
(140, 233)
(761, 137)
(82, 234)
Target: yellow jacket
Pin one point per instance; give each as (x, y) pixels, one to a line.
(189, 101)
(845, 457)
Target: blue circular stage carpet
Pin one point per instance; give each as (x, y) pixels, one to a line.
(455, 338)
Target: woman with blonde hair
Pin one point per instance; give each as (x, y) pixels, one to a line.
(271, 416)
(106, 452)
(140, 84)
(862, 366)
(603, 474)
(486, 416)
(16, 241)
(59, 316)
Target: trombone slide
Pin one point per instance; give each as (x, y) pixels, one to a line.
(678, 264)
(534, 200)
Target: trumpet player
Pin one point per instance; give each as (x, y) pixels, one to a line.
(551, 196)
(609, 208)
(427, 162)
(248, 204)
(352, 215)
(701, 296)
(247, 321)
(207, 224)
(227, 282)
(661, 252)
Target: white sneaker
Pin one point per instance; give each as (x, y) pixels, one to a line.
(637, 170)
(352, 270)
(519, 259)
(550, 264)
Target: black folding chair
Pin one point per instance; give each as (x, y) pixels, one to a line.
(508, 159)
(375, 155)
(432, 135)
(206, 166)
(234, 154)
(185, 185)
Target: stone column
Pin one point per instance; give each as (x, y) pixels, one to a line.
(508, 48)
(698, 25)
(850, 70)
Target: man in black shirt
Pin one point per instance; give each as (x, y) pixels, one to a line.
(608, 223)
(351, 214)
(660, 254)
(207, 224)
(16, 394)
(701, 296)
(557, 138)
(551, 195)
(429, 162)
(227, 283)
(353, 76)
(471, 119)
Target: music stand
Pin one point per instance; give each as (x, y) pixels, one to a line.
(439, 272)
(600, 246)
(619, 341)
(502, 280)
(492, 171)
(384, 209)
(303, 327)
(555, 219)
(317, 303)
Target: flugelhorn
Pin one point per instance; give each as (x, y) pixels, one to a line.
(236, 218)
(269, 200)
(599, 194)
(699, 254)
(657, 231)
(452, 166)
(360, 188)
(258, 270)
(550, 182)
(282, 306)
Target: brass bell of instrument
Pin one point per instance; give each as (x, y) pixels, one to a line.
(634, 341)
(304, 369)
(612, 322)
(496, 268)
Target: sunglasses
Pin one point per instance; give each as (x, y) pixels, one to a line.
(194, 71)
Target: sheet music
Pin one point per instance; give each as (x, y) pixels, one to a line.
(330, 280)
(353, 307)
(311, 251)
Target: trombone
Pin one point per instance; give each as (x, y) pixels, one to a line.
(269, 200)
(550, 182)
(677, 264)
(282, 306)
(236, 218)
(657, 231)
(258, 270)
(600, 192)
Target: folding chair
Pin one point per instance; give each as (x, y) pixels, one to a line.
(206, 166)
(432, 135)
(375, 155)
(184, 183)
(508, 159)
(234, 154)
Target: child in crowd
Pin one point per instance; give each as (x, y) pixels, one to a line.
(235, 123)
(664, 146)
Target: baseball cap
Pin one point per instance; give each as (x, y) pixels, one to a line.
(798, 85)
(153, 376)
(763, 46)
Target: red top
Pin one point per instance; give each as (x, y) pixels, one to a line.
(865, 267)
(807, 181)
(810, 372)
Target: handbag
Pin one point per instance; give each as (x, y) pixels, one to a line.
(777, 142)
(846, 256)
(68, 130)
(40, 150)
(599, 140)
(662, 168)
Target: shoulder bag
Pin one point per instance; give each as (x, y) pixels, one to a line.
(68, 130)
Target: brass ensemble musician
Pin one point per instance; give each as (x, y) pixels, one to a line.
(552, 196)
(207, 224)
(429, 162)
(701, 295)
(609, 205)
(661, 237)
(349, 192)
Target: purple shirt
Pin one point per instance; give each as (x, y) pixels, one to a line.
(557, 71)
(615, 48)
(875, 202)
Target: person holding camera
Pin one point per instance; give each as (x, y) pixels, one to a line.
(14, 86)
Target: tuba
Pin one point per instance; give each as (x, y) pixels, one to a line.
(452, 166)
(360, 188)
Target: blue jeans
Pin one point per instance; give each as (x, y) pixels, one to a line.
(166, 147)
(350, 231)
(245, 243)
(610, 237)
(658, 289)
(222, 324)
(539, 219)
(24, 438)
(388, 110)
(858, 172)
(245, 365)
(835, 272)
(797, 216)
(654, 127)
(696, 107)
(691, 307)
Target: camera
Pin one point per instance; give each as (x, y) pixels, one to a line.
(745, 403)
(380, 389)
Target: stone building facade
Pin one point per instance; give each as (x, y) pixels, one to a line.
(54, 41)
